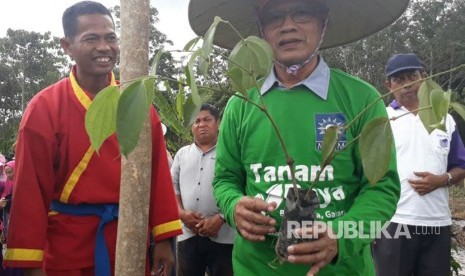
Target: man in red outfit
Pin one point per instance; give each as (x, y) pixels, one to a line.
(64, 214)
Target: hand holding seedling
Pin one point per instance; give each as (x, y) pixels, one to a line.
(318, 252)
(250, 220)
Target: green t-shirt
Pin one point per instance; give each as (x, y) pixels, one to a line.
(250, 161)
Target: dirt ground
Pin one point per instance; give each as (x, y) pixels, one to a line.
(457, 207)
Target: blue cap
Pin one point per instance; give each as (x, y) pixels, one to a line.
(402, 62)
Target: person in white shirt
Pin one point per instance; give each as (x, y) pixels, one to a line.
(418, 241)
(207, 241)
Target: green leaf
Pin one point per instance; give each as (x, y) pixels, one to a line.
(254, 58)
(459, 108)
(168, 114)
(149, 84)
(427, 116)
(180, 97)
(376, 148)
(207, 46)
(202, 66)
(191, 79)
(191, 111)
(235, 80)
(329, 144)
(189, 45)
(155, 62)
(100, 118)
(264, 54)
(440, 101)
(132, 112)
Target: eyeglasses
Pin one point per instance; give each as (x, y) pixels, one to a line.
(276, 19)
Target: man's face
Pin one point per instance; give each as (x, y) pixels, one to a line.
(293, 29)
(94, 48)
(205, 128)
(405, 87)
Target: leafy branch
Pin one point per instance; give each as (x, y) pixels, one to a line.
(251, 59)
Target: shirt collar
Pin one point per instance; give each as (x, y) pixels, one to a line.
(317, 82)
(209, 150)
(395, 105)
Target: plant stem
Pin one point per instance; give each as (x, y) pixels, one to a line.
(412, 111)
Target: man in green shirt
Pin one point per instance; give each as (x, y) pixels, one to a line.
(305, 97)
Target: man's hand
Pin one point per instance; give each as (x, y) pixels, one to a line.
(251, 223)
(428, 182)
(317, 253)
(210, 226)
(33, 272)
(163, 260)
(191, 219)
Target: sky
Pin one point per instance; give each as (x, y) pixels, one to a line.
(45, 15)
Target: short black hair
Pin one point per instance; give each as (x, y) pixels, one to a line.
(71, 14)
(212, 109)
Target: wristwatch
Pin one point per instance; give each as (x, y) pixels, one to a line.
(449, 179)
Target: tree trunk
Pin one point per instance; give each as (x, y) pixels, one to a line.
(131, 246)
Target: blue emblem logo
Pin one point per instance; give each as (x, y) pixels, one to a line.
(443, 143)
(323, 121)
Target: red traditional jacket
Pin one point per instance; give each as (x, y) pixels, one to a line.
(55, 161)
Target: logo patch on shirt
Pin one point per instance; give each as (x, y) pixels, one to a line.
(323, 121)
(443, 143)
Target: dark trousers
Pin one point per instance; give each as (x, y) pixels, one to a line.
(198, 253)
(426, 252)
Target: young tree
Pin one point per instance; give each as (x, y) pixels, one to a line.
(136, 169)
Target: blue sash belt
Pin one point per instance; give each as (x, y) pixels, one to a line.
(107, 213)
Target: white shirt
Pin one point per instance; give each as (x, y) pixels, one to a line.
(192, 172)
(419, 151)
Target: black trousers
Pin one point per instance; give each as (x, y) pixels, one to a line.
(198, 253)
(423, 251)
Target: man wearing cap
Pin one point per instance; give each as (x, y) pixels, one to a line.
(304, 97)
(427, 163)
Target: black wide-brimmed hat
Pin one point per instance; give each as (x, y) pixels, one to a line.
(350, 20)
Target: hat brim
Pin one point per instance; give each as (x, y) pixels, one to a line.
(349, 20)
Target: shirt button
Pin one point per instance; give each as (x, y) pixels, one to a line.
(197, 199)
(199, 183)
(201, 169)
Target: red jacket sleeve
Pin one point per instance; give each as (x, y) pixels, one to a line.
(34, 187)
(164, 217)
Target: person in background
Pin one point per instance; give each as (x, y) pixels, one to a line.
(2, 167)
(5, 204)
(65, 204)
(304, 97)
(428, 163)
(5, 197)
(206, 242)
